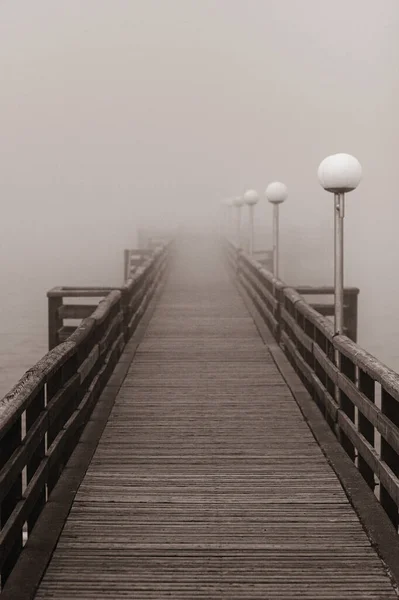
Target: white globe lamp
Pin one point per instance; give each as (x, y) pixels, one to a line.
(251, 197)
(276, 192)
(339, 174)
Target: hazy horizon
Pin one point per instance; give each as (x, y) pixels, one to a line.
(123, 114)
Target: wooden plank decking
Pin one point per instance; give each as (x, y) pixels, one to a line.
(207, 482)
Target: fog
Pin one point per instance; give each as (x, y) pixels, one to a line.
(123, 113)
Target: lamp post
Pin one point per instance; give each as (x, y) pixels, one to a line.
(238, 203)
(276, 193)
(251, 198)
(338, 174)
(230, 204)
(224, 221)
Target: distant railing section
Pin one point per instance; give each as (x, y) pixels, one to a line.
(357, 394)
(134, 259)
(61, 313)
(43, 416)
(265, 258)
(152, 238)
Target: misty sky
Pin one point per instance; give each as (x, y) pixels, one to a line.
(120, 112)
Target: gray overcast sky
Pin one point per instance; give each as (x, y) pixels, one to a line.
(115, 111)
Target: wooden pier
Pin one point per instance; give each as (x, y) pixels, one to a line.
(206, 469)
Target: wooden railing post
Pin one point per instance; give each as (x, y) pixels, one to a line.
(65, 375)
(278, 293)
(54, 320)
(350, 314)
(33, 413)
(347, 367)
(126, 260)
(238, 262)
(9, 443)
(125, 311)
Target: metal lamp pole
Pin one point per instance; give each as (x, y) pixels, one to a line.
(222, 219)
(224, 225)
(276, 193)
(251, 198)
(238, 203)
(339, 174)
(230, 205)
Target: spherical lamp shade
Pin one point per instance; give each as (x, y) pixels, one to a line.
(276, 192)
(238, 201)
(340, 173)
(251, 197)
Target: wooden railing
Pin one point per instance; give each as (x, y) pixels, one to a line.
(327, 308)
(59, 312)
(357, 394)
(134, 259)
(265, 258)
(43, 416)
(152, 238)
(268, 285)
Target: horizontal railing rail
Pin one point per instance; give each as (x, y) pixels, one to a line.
(43, 416)
(357, 394)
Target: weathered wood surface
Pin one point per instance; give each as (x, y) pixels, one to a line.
(207, 482)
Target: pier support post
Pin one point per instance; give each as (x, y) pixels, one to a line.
(54, 320)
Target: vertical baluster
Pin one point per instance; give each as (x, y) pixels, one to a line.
(348, 368)
(308, 329)
(278, 292)
(126, 257)
(9, 443)
(350, 314)
(321, 341)
(33, 412)
(300, 321)
(390, 408)
(54, 385)
(126, 314)
(330, 385)
(367, 387)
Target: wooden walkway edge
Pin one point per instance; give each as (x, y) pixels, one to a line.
(207, 481)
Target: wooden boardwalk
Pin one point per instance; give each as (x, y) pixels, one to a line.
(207, 482)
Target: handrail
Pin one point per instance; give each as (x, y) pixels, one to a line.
(357, 394)
(43, 416)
